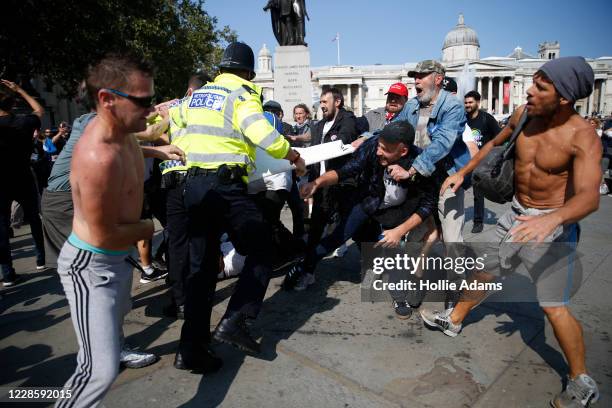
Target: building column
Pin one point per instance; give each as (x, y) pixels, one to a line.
(500, 96)
(602, 94)
(360, 99)
(479, 85)
(511, 91)
(490, 95)
(590, 105)
(604, 89)
(349, 96)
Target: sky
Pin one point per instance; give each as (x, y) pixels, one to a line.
(400, 31)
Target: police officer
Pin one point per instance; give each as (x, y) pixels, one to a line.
(173, 184)
(223, 122)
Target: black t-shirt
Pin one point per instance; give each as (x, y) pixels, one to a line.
(16, 133)
(484, 128)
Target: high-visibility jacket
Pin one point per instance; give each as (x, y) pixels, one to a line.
(223, 122)
(175, 135)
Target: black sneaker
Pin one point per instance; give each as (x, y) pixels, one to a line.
(402, 309)
(292, 276)
(477, 228)
(156, 275)
(11, 279)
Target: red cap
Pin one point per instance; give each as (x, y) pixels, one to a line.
(399, 89)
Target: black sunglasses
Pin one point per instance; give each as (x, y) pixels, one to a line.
(142, 101)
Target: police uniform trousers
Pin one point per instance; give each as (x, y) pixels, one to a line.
(218, 202)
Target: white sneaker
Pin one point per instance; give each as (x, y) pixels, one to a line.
(603, 189)
(305, 281)
(136, 359)
(580, 392)
(340, 251)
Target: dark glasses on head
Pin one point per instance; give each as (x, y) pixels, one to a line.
(142, 101)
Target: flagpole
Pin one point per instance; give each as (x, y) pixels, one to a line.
(338, 46)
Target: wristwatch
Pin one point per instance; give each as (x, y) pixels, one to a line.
(296, 158)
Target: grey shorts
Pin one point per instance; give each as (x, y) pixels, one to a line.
(553, 267)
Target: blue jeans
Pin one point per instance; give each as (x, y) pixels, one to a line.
(345, 230)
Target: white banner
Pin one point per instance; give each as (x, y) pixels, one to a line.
(267, 165)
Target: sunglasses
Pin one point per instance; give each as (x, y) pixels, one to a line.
(142, 101)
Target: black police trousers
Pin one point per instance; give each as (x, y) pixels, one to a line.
(215, 205)
(178, 241)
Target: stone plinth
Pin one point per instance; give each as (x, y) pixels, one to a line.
(292, 82)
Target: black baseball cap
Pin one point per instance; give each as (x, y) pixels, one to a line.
(449, 84)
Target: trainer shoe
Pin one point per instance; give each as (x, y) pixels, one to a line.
(157, 274)
(305, 281)
(11, 279)
(340, 251)
(292, 276)
(477, 228)
(135, 359)
(440, 320)
(402, 309)
(580, 392)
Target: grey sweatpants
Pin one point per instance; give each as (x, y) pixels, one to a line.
(98, 290)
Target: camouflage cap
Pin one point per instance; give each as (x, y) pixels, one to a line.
(426, 67)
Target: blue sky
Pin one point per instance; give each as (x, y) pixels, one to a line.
(399, 31)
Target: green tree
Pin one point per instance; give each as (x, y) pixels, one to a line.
(58, 39)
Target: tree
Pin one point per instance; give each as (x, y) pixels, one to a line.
(58, 39)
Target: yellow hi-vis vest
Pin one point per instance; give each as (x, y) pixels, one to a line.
(175, 134)
(223, 122)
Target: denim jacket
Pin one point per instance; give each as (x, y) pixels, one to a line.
(445, 127)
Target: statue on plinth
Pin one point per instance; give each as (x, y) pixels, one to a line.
(288, 20)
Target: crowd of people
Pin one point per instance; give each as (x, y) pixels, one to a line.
(187, 163)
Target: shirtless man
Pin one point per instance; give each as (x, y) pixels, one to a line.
(556, 181)
(107, 190)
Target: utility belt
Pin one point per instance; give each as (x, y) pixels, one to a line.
(173, 179)
(226, 174)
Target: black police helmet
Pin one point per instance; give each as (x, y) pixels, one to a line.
(238, 56)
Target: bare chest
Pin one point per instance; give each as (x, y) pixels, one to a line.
(545, 152)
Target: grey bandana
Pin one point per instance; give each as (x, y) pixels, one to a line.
(572, 77)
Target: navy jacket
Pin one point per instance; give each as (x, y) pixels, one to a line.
(364, 165)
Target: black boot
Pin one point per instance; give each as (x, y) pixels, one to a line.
(173, 310)
(233, 330)
(199, 359)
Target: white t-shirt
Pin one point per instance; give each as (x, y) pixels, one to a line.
(394, 193)
(326, 128)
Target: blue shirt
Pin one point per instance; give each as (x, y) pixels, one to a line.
(59, 180)
(445, 127)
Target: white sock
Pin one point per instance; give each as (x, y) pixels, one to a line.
(148, 269)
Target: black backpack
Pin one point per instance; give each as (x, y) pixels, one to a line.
(494, 175)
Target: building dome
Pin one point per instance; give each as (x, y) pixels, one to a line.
(264, 60)
(461, 43)
(461, 35)
(264, 52)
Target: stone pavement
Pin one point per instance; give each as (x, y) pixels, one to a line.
(325, 347)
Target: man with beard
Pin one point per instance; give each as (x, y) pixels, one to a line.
(337, 124)
(484, 128)
(397, 95)
(439, 120)
(557, 177)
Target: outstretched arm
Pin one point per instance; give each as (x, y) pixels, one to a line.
(37, 108)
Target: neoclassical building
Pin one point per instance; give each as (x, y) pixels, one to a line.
(502, 81)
